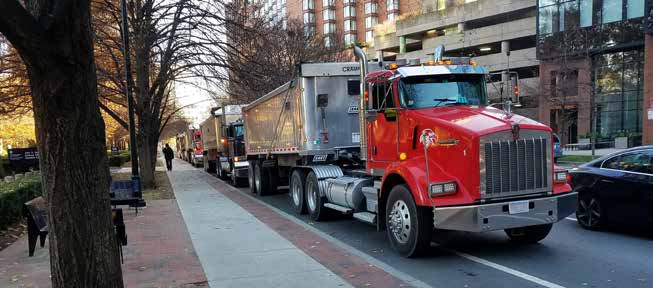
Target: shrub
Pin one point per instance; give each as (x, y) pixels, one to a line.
(12, 197)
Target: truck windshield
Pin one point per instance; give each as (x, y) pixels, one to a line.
(442, 90)
(238, 130)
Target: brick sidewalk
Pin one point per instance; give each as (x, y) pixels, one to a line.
(159, 253)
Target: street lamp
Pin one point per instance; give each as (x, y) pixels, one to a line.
(136, 179)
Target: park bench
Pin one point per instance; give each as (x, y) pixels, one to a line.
(36, 212)
(122, 193)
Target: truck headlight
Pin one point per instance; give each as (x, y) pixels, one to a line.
(445, 188)
(561, 177)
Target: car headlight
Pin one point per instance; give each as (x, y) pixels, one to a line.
(444, 188)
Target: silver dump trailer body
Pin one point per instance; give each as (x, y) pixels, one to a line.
(314, 114)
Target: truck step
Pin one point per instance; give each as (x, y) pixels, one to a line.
(336, 207)
(371, 198)
(377, 184)
(366, 217)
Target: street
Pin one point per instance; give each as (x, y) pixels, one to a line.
(569, 257)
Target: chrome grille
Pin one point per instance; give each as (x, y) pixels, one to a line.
(515, 167)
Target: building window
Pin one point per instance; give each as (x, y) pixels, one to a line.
(309, 30)
(350, 25)
(558, 16)
(619, 85)
(370, 22)
(635, 9)
(309, 17)
(327, 3)
(350, 11)
(350, 39)
(370, 8)
(441, 5)
(392, 17)
(327, 41)
(586, 13)
(308, 4)
(329, 28)
(611, 11)
(349, 2)
(564, 83)
(329, 14)
(392, 5)
(369, 36)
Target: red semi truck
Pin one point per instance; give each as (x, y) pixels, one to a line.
(408, 149)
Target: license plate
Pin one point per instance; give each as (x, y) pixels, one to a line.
(518, 207)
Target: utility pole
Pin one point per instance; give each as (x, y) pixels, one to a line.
(136, 179)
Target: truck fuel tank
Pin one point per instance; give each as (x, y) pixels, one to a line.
(348, 191)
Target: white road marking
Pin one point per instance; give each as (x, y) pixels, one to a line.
(572, 219)
(502, 268)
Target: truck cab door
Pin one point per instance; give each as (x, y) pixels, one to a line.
(384, 129)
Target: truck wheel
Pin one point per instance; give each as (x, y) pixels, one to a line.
(409, 227)
(251, 176)
(314, 201)
(296, 188)
(265, 180)
(590, 212)
(529, 234)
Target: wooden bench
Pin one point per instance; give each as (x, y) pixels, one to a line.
(36, 212)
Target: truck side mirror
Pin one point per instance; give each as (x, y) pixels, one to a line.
(371, 115)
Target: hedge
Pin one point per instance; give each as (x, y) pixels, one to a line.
(117, 160)
(12, 197)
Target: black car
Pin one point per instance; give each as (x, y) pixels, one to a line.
(616, 189)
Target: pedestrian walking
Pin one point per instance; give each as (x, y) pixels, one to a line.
(168, 154)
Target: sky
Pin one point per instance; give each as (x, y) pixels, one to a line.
(200, 102)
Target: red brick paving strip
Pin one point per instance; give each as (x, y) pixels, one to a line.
(351, 268)
(159, 253)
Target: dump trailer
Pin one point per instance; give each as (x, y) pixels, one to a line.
(221, 147)
(182, 145)
(413, 148)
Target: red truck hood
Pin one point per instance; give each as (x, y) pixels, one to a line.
(475, 120)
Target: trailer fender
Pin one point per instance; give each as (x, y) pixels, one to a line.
(322, 172)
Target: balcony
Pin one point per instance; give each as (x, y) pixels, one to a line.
(489, 34)
(498, 61)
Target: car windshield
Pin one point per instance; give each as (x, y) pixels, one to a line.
(442, 90)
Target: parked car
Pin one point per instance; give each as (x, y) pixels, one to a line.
(616, 189)
(557, 148)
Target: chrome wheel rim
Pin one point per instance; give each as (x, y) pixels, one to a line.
(310, 191)
(589, 212)
(399, 221)
(296, 190)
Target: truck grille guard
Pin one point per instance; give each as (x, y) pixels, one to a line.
(514, 167)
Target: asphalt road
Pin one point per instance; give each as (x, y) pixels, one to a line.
(569, 257)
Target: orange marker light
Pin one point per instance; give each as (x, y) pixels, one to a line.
(393, 66)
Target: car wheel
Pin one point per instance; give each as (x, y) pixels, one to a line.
(590, 213)
(314, 200)
(251, 176)
(297, 184)
(529, 234)
(409, 227)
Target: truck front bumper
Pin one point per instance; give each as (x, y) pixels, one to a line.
(497, 216)
(241, 169)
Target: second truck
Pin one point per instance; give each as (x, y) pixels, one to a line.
(409, 149)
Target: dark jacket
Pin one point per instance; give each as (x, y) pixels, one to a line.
(167, 153)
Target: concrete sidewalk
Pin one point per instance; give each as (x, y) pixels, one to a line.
(234, 247)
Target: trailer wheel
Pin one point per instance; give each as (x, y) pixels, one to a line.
(314, 201)
(296, 187)
(265, 180)
(251, 176)
(409, 227)
(530, 234)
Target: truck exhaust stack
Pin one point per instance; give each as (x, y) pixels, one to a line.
(362, 60)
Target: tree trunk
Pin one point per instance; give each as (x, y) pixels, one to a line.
(147, 161)
(71, 141)
(54, 41)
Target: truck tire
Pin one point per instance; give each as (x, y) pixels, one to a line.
(296, 189)
(409, 227)
(265, 179)
(529, 234)
(251, 176)
(314, 201)
(221, 173)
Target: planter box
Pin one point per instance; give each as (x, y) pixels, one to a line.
(621, 142)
